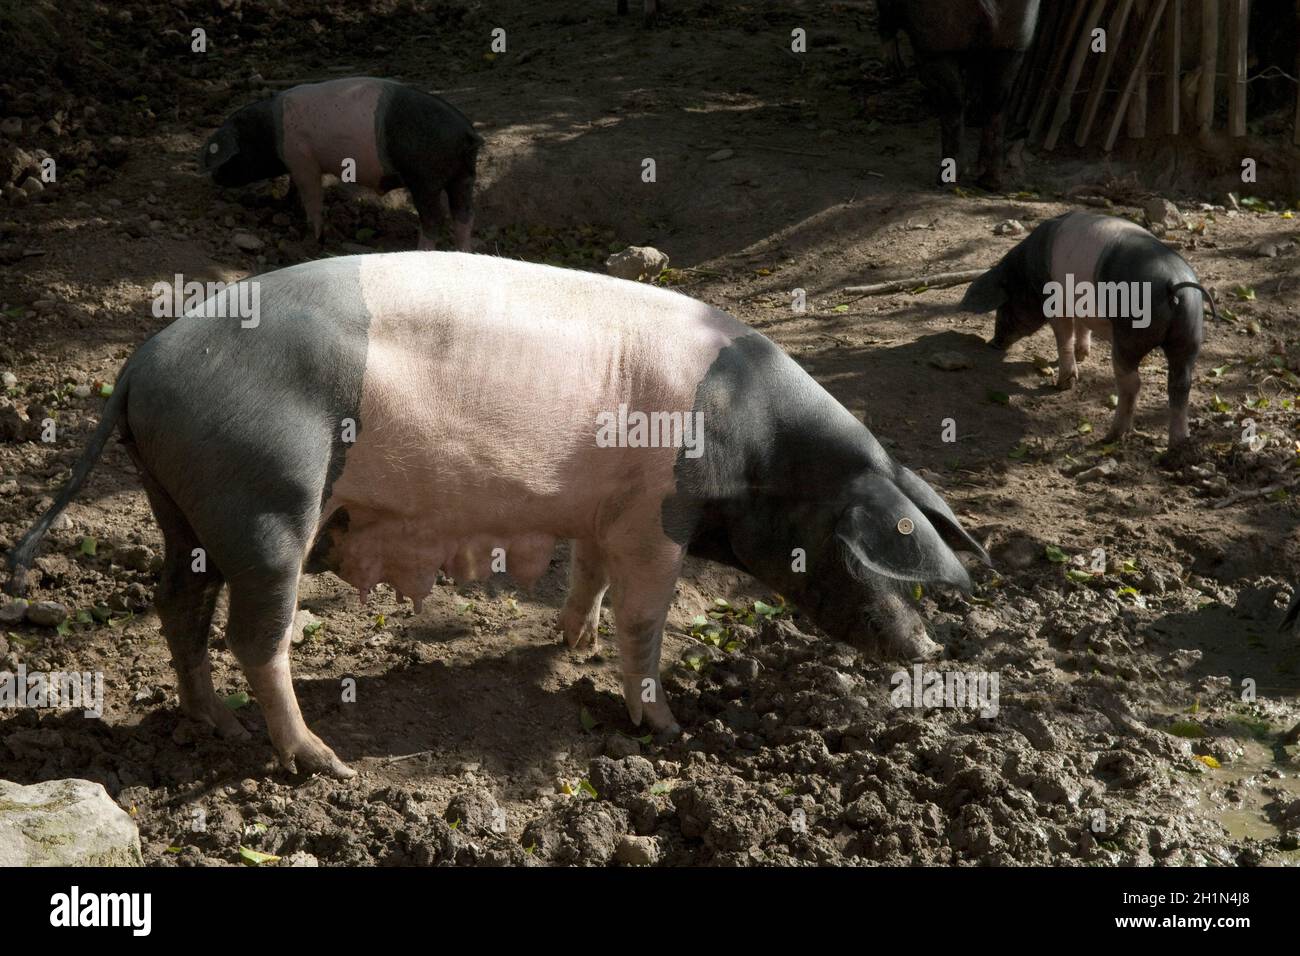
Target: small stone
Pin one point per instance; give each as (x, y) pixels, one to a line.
(31, 186)
(135, 557)
(9, 379)
(720, 155)
(248, 243)
(1008, 227)
(81, 391)
(637, 850)
(11, 126)
(949, 361)
(1160, 210)
(13, 612)
(46, 614)
(305, 624)
(1103, 469)
(636, 262)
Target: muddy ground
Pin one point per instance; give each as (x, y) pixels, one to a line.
(1123, 734)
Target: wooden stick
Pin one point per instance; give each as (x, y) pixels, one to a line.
(1209, 64)
(1072, 75)
(1173, 68)
(1029, 80)
(1137, 109)
(1099, 77)
(1238, 29)
(1139, 70)
(939, 280)
(1062, 42)
(1252, 495)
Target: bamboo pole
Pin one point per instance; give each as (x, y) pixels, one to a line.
(1139, 68)
(1209, 65)
(1238, 32)
(1062, 44)
(1114, 35)
(1062, 112)
(1173, 57)
(1137, 109)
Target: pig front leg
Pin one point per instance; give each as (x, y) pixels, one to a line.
(644, 586)
(305, 178)
(1082, 344)
(942, 79)
(460, 202)
(1068, 372)
(580, 617)
(1128, 382)
(262, 606)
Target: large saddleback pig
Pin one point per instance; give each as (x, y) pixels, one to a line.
(962, 45)
(1083, 273)
(391, 415)
(389, 134)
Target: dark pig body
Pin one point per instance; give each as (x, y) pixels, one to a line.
(960, 45)
(395, 134)
(1115, 258)
(473, 387)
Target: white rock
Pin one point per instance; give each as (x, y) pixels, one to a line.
(1008, 227)
(243, 240)
(637, 850)
(636, 262)
(720, 155)
(64, 823)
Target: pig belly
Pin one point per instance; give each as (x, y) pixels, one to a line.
(328, 123)
(483, 383)
(1080, 242)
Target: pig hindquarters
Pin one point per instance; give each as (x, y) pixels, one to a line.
(390, 415)
(1106, 260)
(961, 45)
(384, 134)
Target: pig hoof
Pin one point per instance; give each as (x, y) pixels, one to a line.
(1180, 454)
(1066, 382)
(312, 755)
(218, 718)
(655, 713)
(579, 630)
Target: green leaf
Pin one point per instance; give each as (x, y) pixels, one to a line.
(998, 398)
(253, 857)
(105, 390)
(1244, 293)
(917, 592)
(589, 723)
(365, 234)
(1055, 554)
(1085, 428)
(1078, 577)
(1188, 729)
(238, 700)
(89, 546)
(585, 786)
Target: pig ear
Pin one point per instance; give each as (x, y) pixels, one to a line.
(986, 293)
(887, 534)
(940, 515)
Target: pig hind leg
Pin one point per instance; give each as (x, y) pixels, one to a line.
(1128, 382)
(1180, 389)
(942, 79)
(186, 600)
(580, 617)
(263, 599)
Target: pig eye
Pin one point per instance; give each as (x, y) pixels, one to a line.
(213, 147)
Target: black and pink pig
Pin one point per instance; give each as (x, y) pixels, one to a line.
(1082, 273)
(384, 133)
(392, 415)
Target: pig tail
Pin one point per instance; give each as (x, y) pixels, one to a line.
(1175, 286)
